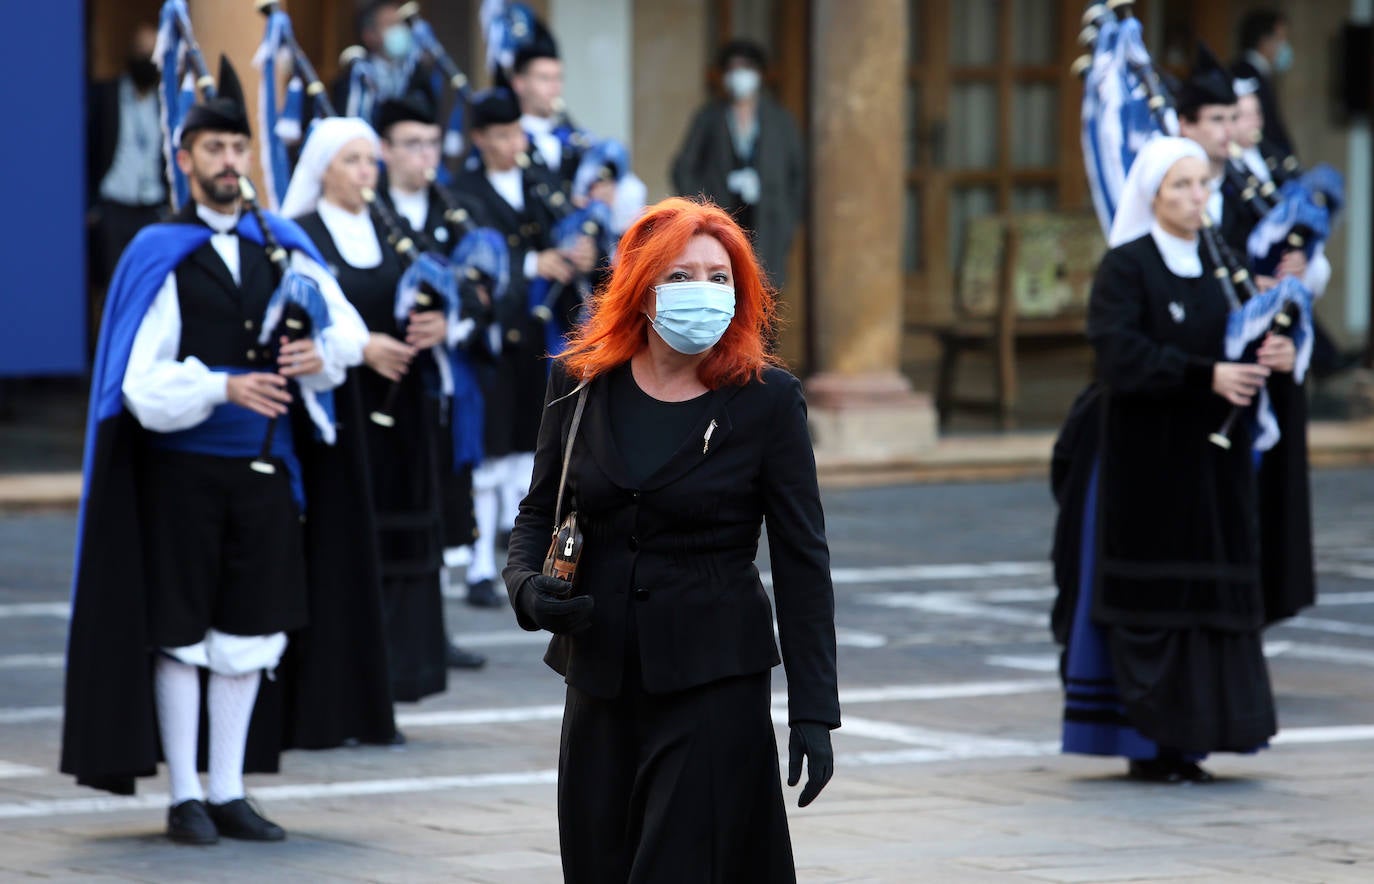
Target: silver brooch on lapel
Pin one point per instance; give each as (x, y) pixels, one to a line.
(1176, 311)
(706, 439)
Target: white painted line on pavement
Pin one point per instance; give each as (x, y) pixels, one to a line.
(499, 637)
(856, 638)
(454, 717)
(24, 715)
(1335, 627)
(35, 609)
(1037, 663)
(1327, 599)
(1358, 572)
(9, 770)
(1330, 654)
(970, 748)
(1336, 734)
(33, 661)
(960, 571)
(952, 691)
(957, 605)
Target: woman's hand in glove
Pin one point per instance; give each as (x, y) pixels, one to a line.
(549, 603)
(812, 740)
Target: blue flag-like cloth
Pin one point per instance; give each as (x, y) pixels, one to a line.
(1295, 212)
(457, 375)
(1326, 186)
(276, 165)
(140, 274)
(1250, 323)
(178, 93)
(1116, 117)
(301, 290)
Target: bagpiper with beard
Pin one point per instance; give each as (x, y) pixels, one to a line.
(504, 194)
(191, 559)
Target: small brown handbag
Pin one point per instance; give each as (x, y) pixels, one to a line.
(566, 547)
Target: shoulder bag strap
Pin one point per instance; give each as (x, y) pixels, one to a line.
(567, 455)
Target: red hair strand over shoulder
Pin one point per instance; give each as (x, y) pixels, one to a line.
(616, 327)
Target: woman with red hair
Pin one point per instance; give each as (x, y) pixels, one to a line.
(690, 439)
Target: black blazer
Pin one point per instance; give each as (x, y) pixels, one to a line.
(680, 547)
(102, 134)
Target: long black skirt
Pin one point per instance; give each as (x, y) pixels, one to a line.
(403, 462)
(680, 787)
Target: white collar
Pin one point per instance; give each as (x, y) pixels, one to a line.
(1259, 62)
(414, 207)
(1180, 255)
(536, 125)
(353, 235)
(217, 221)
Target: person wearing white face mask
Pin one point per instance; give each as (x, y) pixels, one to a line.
(674, 436)
(1266, 52)
(745, 153)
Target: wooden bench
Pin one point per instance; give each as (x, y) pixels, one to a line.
(1023, 285)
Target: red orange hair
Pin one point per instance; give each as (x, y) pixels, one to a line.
(616, 327)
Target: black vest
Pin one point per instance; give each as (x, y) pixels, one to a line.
(220, 321)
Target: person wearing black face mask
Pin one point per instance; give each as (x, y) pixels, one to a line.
(126, 173)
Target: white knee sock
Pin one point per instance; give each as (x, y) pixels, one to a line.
(231, 699)
(485, 503)
(515, 484)
(176, 688)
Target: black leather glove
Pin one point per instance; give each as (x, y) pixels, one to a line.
(810, 739)
(549, 603)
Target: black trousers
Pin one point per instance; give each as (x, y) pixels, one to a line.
(681, 787)
(223, 547)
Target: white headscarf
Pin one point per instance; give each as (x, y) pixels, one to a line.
(327, 138)
(1135, 210)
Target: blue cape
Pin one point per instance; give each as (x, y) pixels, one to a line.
(140, 274)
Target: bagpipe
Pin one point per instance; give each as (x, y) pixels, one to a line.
(430, 291)
(295, 311)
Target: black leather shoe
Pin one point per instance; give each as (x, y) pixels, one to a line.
(397, 738)
(189, 823)
(1155, 770)
(482, 594)
(460, 659)
(238, 819)
(1192, 772)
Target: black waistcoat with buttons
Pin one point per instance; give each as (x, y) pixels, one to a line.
(221, 319)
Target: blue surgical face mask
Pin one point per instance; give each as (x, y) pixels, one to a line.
(692, 316)
(1283, 59)
(397, 42)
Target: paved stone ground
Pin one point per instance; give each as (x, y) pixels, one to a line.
(947, 767)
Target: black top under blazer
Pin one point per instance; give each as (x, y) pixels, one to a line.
(680, 547)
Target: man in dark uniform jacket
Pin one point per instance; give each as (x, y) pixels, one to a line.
(411, 148)
(505, 194)
(1265, 52)
(555, 144)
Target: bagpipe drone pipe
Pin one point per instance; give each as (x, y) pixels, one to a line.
(295, 311)
(1285, 309)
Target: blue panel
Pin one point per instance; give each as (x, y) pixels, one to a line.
(42, 234)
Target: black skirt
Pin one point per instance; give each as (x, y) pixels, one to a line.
(405, 487)
(680, 787)
(223, 548)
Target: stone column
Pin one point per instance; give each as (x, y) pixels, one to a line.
(862, 408)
